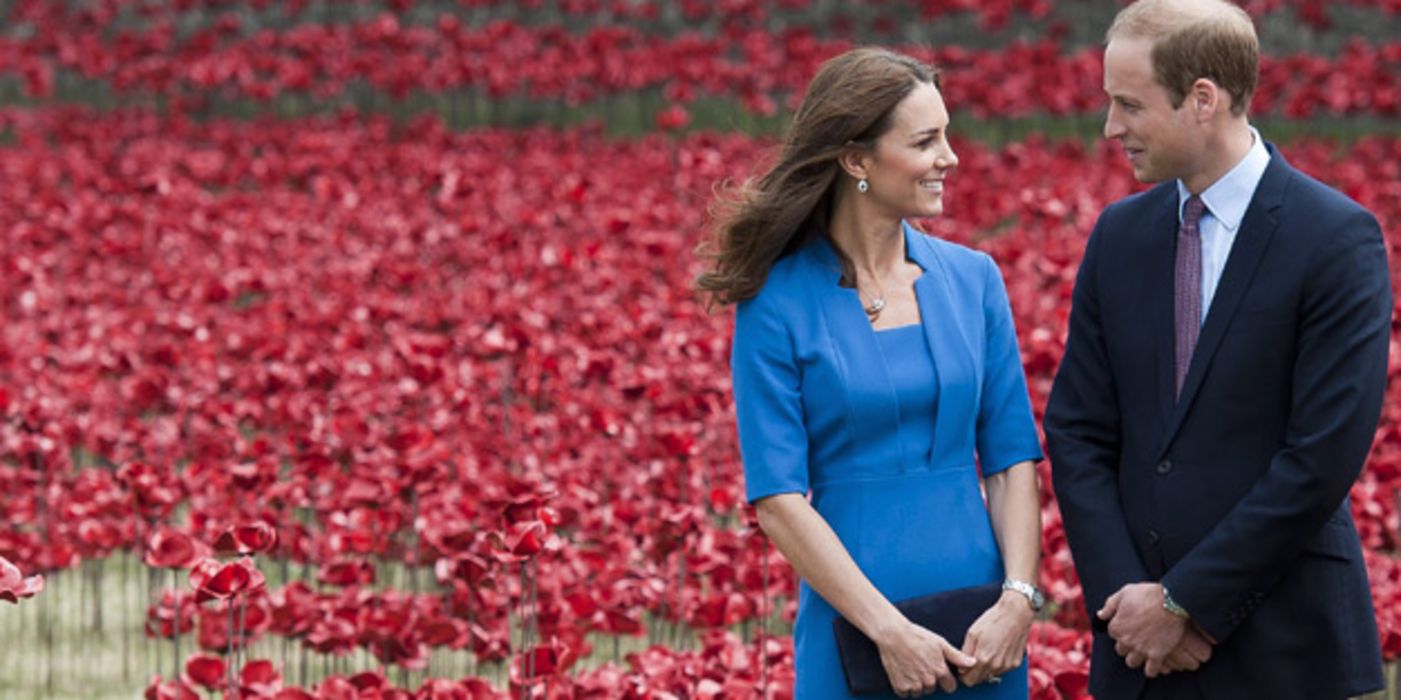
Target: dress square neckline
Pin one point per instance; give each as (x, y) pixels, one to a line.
(905, 327)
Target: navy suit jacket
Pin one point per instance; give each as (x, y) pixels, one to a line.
(1234, 496)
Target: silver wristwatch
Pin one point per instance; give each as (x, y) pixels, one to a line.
(1032, 593)
(1172, 606)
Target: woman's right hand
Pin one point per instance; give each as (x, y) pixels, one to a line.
(918, 661)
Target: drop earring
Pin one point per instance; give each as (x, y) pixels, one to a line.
(862, 185)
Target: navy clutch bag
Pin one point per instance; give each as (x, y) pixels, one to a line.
(948, 614)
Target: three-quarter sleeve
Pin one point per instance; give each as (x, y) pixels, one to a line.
(773, 439)
(1006, 430)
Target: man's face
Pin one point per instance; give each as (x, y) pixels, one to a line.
(1161, 142)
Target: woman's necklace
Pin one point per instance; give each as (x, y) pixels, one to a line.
(877, 303)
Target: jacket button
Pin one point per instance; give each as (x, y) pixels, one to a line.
(1153, 537)
(1165, 466)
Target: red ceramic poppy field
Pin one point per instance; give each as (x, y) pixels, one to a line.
(587, 50)
(323, 351)
(352, 407)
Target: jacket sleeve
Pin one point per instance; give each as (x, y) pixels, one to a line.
(1006, 431)
(773, 438)
(1082, 425)
(1339, 378)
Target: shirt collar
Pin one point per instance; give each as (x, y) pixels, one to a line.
(1228, 198)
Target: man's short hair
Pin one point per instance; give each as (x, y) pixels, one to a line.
(1192, 39)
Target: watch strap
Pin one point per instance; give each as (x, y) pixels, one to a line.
(1172, 606)
(1032, 593)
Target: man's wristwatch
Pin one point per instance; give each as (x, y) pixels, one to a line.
(1171, 605)
(1032, 593)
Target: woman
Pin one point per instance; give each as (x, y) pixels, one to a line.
(870, 363)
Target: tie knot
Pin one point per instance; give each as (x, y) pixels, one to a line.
(1192, 213)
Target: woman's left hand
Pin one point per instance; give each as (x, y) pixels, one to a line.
(997, 638)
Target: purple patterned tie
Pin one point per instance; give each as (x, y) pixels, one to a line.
(1188, 277)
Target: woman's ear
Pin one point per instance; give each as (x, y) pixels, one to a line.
(854, 160)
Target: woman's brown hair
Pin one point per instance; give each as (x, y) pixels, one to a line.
(849, 101)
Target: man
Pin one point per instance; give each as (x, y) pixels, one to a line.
(1220, 387)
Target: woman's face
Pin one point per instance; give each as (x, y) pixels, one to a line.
(907, 164)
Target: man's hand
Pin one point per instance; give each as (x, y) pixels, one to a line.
(1190, 654)
(1145, 633)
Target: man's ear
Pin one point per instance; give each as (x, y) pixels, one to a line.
(1207, 99)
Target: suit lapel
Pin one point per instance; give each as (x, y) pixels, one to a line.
(1162, 255)
(1252, 239)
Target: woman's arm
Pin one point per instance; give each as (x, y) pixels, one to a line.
(998, 638)
(1006, 434)
(915, 659)
(1015, 506)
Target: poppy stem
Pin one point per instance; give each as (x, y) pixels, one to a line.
(508, 399)
(679, 639)
(12, 633)
(37, 608)
(97, 593)
(306, 576)
(413, 543)
(229, 657)
(125, 598)
(242, 637)
(82, 574)
(524, 635)
(46, 630)
(175, 636)
(764, 618)
(654, 628)
(471, 662)
(153, 602)
(534, 606)
(286, 640)
(683, 485)
(147, 641)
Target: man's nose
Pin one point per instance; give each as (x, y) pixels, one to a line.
(1112, 128)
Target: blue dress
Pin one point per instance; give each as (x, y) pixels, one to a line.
(819, 405)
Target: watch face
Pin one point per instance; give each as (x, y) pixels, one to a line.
(1032, 593)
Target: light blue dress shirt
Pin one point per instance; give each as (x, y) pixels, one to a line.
(1226, 201)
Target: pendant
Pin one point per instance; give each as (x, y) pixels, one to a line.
(877, 306)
